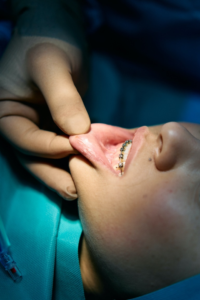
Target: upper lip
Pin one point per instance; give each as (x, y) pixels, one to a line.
(96, 144)
(137, 143)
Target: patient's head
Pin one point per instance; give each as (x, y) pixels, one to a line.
(141, 229)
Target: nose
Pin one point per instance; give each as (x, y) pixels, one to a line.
(176, 146)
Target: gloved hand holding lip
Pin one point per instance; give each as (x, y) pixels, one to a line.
(38, 72)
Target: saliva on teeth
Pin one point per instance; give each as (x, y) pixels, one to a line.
(124, 151)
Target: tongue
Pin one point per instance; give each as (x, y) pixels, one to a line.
(101, 144)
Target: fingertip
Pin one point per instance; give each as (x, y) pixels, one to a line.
(71, 193)
(67, 196)
(78, 124)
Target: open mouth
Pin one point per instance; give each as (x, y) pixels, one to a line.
(107, 146)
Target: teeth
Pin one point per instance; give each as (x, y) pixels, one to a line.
(121, 165)
(126, 146)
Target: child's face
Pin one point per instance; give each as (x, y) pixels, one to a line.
(143, 226)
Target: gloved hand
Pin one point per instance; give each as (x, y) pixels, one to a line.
(38, 75)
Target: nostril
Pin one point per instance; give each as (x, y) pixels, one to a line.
(159, 146)
(160, 142)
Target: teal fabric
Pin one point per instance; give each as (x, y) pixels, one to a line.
(68, 283)
(188, 289)
(32, 218)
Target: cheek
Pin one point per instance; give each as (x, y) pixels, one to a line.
(155, 216)
(167, 213)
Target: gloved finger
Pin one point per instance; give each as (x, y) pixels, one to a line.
(18, 124)
(50, 69)
(55, 178)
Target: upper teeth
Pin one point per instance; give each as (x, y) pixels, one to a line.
(123, 155)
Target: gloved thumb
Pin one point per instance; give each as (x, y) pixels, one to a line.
(51, 71)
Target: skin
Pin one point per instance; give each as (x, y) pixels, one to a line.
(142, 229)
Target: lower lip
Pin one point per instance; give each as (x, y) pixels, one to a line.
(137, 143)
